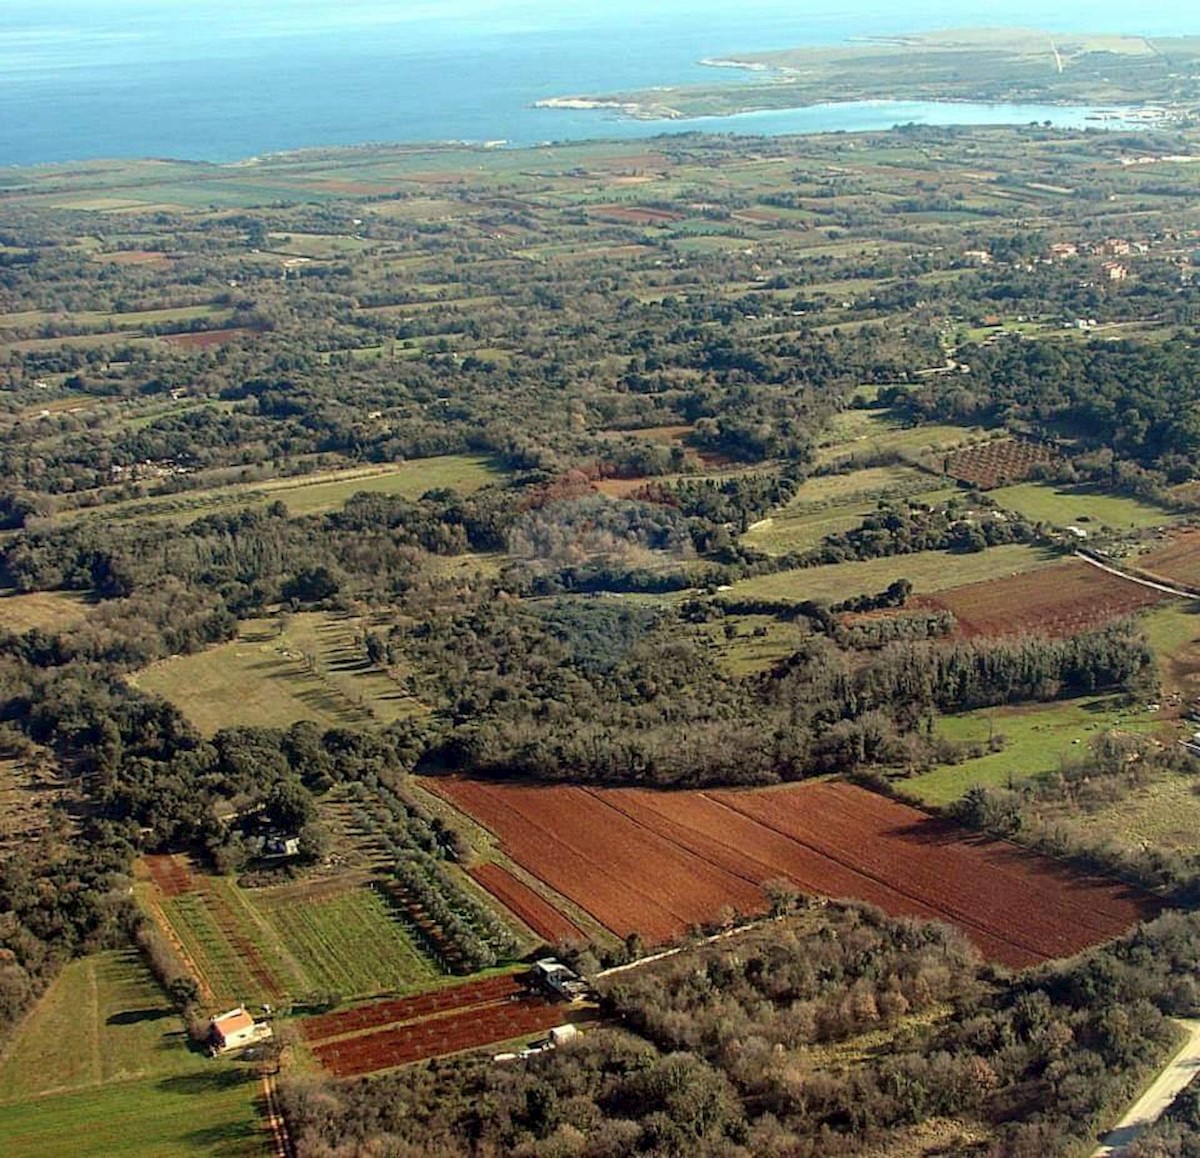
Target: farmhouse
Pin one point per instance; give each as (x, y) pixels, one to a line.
(234, 1029)
(559, 981)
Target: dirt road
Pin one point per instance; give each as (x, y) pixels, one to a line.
(1166, 588)
(1180, 1070)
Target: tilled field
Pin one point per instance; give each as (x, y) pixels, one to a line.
(386, 1034)
(1058, 601)
(658, 863)
(537, 912)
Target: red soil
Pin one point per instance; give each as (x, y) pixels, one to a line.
(1056, 601)
(436, 1037)
(423, 1005)
(634, 214)
(171, 874)
(541, 916)
(657, 863)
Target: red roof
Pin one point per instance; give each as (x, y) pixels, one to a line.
(228, 1024)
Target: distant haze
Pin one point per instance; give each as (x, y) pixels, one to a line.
(222, 79)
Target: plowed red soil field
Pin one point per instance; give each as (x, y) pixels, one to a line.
(394, 1033)
(537, 912)
(1059, 601)
(658, 863)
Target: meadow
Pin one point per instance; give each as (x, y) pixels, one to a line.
(861, 433)
(1037, 739)
(102, 1066)
(1084, 506)
(928, 572)
(306, 666)
(47, 610)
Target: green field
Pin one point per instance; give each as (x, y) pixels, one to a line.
(301, 667)
(1039, 738)
(101, 1066)
(48, 610)
(346, 943)
(291, 941)
(1085, 506)
(310, 494)
(830, 504)
(1162, 814)
(866, 432)
(928, 572)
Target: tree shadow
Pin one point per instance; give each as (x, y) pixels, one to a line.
(217, 1079)
(137, 1016)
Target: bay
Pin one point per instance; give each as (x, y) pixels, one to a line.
(220, 80)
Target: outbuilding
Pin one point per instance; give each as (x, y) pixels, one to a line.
(234, 1029)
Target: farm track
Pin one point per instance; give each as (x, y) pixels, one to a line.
(621, 854)
(1058, 601)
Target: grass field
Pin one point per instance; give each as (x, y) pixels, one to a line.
(747, 652)
(101, 1067)
(347, 942)
(49, 610)
(303, 667)
(293, 941)
(928, 572)
(1163, 814)
(1086, 506)
(310, 494)
(829, 504)
(861, 432)
(1038, 739)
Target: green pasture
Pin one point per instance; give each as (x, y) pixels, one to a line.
(1084, 506)
(928, 571)
(867, 432)
(300, 667)
(347, 943)
(309, 494)
(1038, 739)
(102, 1067)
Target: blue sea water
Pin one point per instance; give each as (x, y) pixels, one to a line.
(225, 79)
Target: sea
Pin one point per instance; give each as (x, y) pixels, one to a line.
(223, 80)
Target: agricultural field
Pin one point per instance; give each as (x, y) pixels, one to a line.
(929, 571)
(47, 610)
(306, 666)
(997, 463)
(860, 433)
(829, 504)
(659, 864)
(1177, 562)
(1162, 814)
(285, 942)
(1037, 739)
(1061, 600)
(393, 1033)
(101, 1067)
(526, 903)
(1083, 506)
(309, 494)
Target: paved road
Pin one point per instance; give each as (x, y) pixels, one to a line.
(1180, 1070)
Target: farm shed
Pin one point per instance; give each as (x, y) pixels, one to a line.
(561, 1034)
(558, 980)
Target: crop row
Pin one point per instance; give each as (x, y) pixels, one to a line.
(421, 1005)
(469, 1029)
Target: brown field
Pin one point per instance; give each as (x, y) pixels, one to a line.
(1057, 601)
(204, 339)
(386, 1034)
(134, 257)
(993, 464)
(1178, 562)
(537, 912)
(660, 863)
(634, 214)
